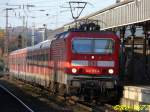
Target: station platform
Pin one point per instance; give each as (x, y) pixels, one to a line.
(137, 97)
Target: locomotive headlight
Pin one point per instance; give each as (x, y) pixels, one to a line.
(74, 70)
(110, 71)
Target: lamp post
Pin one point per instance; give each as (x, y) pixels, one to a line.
(33, 34)
(33, 28)
(45, 32)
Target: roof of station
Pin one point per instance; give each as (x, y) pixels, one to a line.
(120, 14)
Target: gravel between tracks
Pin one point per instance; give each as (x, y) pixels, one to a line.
(37, 98)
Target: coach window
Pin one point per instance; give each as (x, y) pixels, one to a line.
(33, 59)
(18, 60)
(30, 59)
(10, 60)
(27, 59)
(37, 59)
(40, 59)
(35, 62)
(43, 58)
(43, 61)
(13, 60)
(46, 59)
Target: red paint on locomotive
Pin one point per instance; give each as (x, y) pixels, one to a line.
(64, 60)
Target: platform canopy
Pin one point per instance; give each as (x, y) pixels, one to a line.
(120, 14)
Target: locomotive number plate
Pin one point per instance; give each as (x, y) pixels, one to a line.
(93, 71)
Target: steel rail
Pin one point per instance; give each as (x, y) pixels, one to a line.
(27, 107)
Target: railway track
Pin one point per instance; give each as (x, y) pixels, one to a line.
(97, 108)
(92, 107)
(10, 103)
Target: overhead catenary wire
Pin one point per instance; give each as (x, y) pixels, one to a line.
(42, 1)
(50, 17)
(24, 6)
(51, 6)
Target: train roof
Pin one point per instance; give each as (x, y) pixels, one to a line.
(66, 33)
(19, 50)
(46, 44)
(41, 45)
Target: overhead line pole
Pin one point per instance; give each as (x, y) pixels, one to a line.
(7, 32)
(6, 35)
(6, 39)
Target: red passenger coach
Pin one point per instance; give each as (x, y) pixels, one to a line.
(80, 63)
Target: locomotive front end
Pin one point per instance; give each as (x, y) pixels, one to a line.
(94, 64)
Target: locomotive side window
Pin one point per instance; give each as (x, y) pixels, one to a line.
(98, 46)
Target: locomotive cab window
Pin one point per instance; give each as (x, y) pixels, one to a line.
(97, 46)
(82, 46)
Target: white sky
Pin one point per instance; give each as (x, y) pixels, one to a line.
(54, 15)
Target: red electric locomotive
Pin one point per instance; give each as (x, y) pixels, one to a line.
(79, 63)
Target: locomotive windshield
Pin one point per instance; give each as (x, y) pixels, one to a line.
(97, 46)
